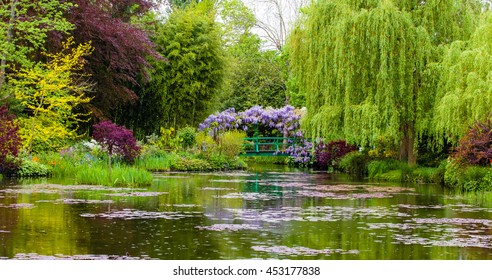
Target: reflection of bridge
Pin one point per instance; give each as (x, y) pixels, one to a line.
(267, 146)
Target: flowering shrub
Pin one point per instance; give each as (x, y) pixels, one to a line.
(475, 147)
(329, 155)
(116, 140)
(300, 154)
(9, 142)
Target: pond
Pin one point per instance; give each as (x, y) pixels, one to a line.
(267, 212)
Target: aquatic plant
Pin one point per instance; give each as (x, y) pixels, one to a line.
(120, 176)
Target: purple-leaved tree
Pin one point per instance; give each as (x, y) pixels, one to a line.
(115, 140)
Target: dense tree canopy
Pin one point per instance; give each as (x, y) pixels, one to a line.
(189, 79)
(365, 66)
(253, 76)
(120, 50)
(465, 93)
(24, 29)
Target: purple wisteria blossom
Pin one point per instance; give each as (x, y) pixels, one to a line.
(284, 121)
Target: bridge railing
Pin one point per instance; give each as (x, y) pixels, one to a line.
(267, 144)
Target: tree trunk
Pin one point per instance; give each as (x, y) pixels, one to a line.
(407, 151)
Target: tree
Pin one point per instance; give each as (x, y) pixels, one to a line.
(189, 80)
(365, 66)
(116, 140)
(24, 29)
(120, 51)
(255, 76)
(464, 94)
(49, 93)
(276, 24)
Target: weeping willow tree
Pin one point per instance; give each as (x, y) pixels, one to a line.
(465, 92)
(366, 66)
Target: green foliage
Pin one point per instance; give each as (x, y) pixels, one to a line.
(191, 164)
(467, 178)
(188, 81)
(231, 143)
(154, 163)
(355, 163)
(51, 92)
(464, 94)
(377, 167)
(186, 137)
(255, 76)
(24, 28)
(118, 176)
(29, 168)
(384, 148)
(365, 66)
(206, 144)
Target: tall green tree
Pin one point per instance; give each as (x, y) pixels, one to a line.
(24, 29)
(189, 80)
(254, 76)
(465, 94)
(365, 66)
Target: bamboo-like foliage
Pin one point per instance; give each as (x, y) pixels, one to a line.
(192, 75)
(465, 92)
(366, 66)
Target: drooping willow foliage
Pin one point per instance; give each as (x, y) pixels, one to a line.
(366, 66)
(465, 90)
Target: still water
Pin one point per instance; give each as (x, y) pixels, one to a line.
(268, 212)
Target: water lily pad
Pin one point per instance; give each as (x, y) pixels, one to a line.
(229, 227)
(34, 256)
(138, 194)
(76, 201)
(19, 206)
(249, 196)
(300, 251)
(131, 214)
(217, 189)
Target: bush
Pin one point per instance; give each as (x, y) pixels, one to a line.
(30, 168)
(467, 178)
(355, 163)
(187, 137)
(231, 143)
(378, 167)
(9, 142)
(116, 140)
(475, 148)
(191, 164)
(300, 154)
(328, 155)
(384, 148)
(206, 144)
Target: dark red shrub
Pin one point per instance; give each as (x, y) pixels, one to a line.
(476, 146)
(9, 142)
(329, 155)
(116, 140)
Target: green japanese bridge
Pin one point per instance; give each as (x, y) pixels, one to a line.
(267, 146)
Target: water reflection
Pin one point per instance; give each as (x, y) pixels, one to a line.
(264, 213)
